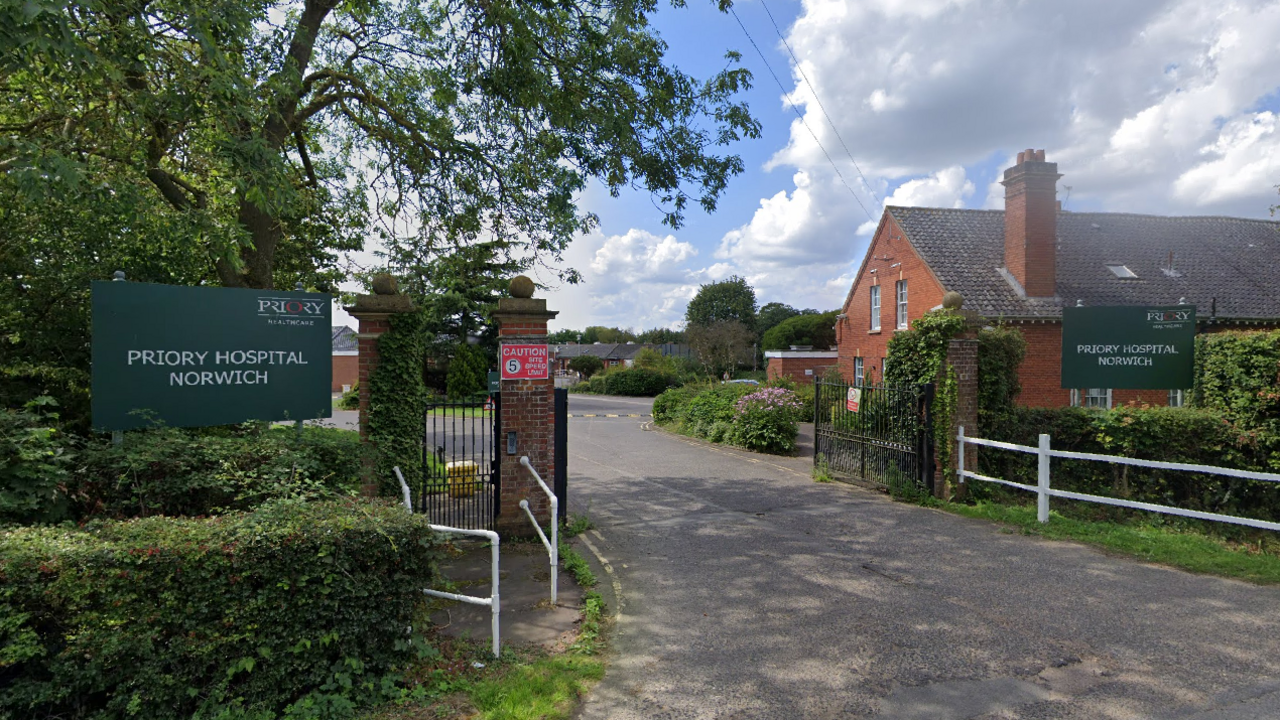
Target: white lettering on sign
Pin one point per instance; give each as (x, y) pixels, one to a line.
(179, 358)
(221, 377)
(524, 362)
(1126, 349)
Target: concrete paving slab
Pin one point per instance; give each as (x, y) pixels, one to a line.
(524, 586)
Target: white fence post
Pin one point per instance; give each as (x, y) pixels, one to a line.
(1042, 499)
(960, 455)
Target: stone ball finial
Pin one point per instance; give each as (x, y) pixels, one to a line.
(384, 284)
(952, 300)
(521, 287)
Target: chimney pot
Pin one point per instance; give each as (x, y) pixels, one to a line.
(1030, 223)
(1040, 155)
(1030, 154)
(1021, 156)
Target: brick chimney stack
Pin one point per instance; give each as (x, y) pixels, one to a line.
(1031, 223)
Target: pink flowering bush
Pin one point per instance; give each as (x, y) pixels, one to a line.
(766, 420)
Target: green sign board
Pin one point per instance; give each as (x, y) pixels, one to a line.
(495, 381)
(165, 355)
(1128, 348)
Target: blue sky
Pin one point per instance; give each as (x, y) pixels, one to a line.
(1162, 106)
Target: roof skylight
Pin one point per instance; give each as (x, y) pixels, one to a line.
(1121, 271)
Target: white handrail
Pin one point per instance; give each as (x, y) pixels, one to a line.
(1044, 491)
(553, 546)
(493, 601)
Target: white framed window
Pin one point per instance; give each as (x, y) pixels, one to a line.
(875, 307)
(857, 371)
(1075, 397)
(1098, 398)
(1177, 398)
(902, 304)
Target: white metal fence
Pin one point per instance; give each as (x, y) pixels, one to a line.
(1044, 490)
(552, 545)
(493, 602)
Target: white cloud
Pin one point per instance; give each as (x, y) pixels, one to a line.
(636, 279)
(945, 188)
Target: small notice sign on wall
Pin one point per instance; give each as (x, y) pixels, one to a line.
(853, 399)
(524, 362)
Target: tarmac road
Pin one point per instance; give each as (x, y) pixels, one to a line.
(749, 591)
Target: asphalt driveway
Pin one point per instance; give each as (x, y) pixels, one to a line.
(746, 590)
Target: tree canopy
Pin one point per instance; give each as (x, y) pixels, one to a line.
(808, 329)
(272, 136)
(728, 300)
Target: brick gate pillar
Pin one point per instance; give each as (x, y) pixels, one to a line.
(528, 410)
(373, 312)
(962, 356)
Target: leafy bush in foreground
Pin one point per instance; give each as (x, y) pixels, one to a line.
(765, 421)
(302, 604)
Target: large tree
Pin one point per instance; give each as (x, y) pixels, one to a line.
(728, 300)
(277, 133)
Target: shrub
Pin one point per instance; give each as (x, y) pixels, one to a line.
(34, 461)
(804, 393)
(350, 399)
(1184, 435)
(397, 401)
(186, 472)
(670, 405)
(295, 603)
(636, 381)
(468, 372)
(1000, 353)
(586, 365)
(765, 421)
(713, 404)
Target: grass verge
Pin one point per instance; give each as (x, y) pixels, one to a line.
(1179, 548)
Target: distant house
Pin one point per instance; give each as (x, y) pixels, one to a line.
(1025, 263)
(346, 358)
(611, 354)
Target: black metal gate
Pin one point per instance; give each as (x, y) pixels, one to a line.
(888, 441)
(460, 464)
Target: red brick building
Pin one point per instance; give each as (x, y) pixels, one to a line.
(801, 366)
(1023, 264)
(346, 358)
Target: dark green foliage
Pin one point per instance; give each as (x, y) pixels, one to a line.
(731, 300)
(710, 411)
(916, 355)
(68, 386)
(1238, 374)
(295, 603)
(1185, 435)
(397, 401)
(660, 336)
(587, 365)
(350, 399)
(636, 381)
(192, 472)
(816, 330)
(34, 463)
(772, 314)
(1001, 350)
(468, 372)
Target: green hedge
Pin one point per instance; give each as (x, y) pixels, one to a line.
(51, 476)
(634, 381)
(1183, 435)
(294, 603)
(1238, 375)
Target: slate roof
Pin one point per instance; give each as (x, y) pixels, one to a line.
(344, 339)
(1235, 260)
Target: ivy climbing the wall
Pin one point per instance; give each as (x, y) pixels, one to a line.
(1001, 350)
(916, 355)
(397, 400)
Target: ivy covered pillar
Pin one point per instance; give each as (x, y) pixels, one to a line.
(376, 315)
(528, 412)
(959, 379)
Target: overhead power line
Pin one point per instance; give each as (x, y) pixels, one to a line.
(800, 115)
(814, 90)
